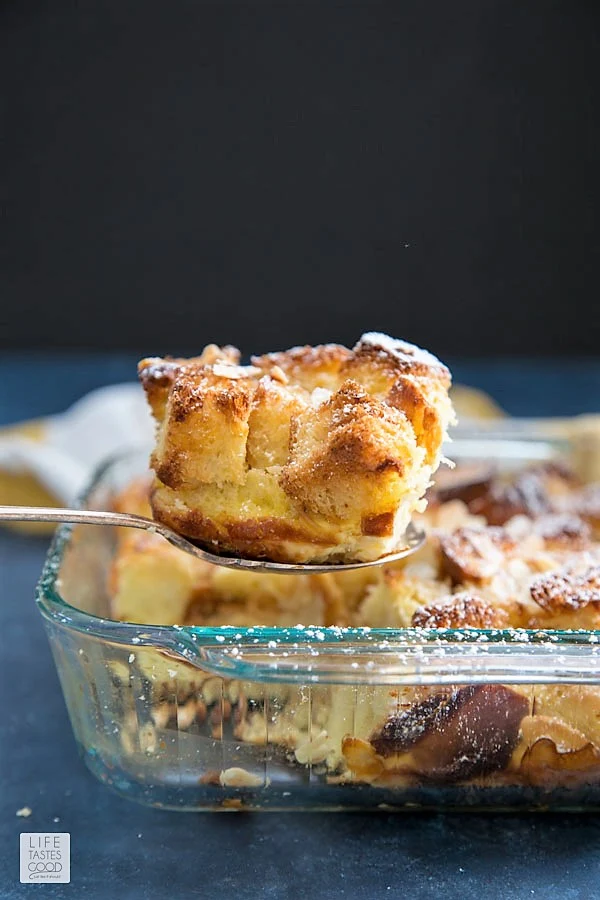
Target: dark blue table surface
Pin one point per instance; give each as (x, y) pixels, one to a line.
(123, 850)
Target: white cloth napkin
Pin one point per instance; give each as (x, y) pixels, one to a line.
(105, 422)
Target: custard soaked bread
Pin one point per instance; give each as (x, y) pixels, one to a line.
(311, 455)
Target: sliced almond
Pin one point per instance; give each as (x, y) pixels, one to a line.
(361, 758)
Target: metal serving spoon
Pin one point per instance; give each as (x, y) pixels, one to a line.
(413, 539)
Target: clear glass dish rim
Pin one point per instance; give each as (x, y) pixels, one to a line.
(185, 640)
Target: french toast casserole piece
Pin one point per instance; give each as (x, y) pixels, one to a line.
(311, 455)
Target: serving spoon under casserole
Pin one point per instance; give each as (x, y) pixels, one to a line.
(413, 539)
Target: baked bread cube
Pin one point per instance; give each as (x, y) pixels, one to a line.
(317, 454)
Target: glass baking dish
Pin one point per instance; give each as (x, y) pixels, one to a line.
(198, 718)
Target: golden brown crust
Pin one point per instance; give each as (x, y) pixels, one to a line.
(563, 532)
(311, 367)
(157, 374)
(460, 610)
(253, 535)
(525, 496)
(313, 454)
(567, 589)
(409, 379)
(269, 423)
(475, 555)
(405, 395)
(334, 450)
(535, 491)
(393, 356)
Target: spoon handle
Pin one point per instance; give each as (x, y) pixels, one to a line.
(83, 516)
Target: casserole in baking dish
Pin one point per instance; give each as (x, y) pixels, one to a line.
(442, 706)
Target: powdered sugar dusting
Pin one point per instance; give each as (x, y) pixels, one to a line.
(402, 350)
(319, 396)
(223, 370)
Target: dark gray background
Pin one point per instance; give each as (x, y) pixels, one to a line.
(273, 173)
